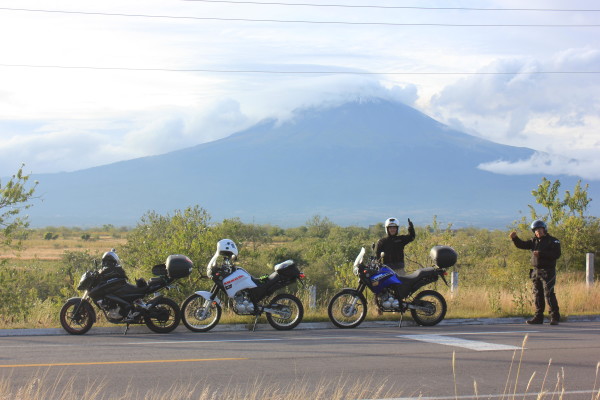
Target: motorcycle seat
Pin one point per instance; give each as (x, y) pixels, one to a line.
(416, 275)
(129, 289)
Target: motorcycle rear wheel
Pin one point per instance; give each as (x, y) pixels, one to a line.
(289, 305)
(191, 313)
(347, 309)
(435, 308)
(76, 319)
(164, 316)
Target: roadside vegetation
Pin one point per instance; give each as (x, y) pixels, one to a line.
(40, 268)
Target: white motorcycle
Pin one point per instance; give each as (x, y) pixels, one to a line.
(202, 311)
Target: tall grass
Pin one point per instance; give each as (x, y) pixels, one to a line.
(574, 298)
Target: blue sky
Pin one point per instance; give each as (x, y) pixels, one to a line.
(89, 83)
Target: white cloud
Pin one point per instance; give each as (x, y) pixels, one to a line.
(543, 163)
(57, 119)
(552, 113)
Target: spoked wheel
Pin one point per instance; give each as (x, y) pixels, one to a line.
(199, 314)
(289, 312)
(77, 316)
(430, 308)
(347, 309)
(164, 316)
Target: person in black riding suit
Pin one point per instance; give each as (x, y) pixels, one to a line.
(392, 245)
(111, 266)
(545, 250)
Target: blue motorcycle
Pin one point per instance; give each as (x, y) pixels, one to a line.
(394, 293)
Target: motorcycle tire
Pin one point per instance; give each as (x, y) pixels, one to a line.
(164, 316)
(82, 321)
(347, 309)
(435, 305)
(191, 313)
(289, 304)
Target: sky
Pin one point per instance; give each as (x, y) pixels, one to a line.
(87, 83)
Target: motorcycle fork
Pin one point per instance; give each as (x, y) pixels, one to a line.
(214, 292)
(83, 298)
(360, 289)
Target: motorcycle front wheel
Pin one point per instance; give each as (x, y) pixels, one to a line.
(199, 314)
(347, 309)
(77, 316)
(289, 312)
(164, 316)
(431, 308)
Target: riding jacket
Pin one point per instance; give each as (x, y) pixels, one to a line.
(547, 246)
(393, 246)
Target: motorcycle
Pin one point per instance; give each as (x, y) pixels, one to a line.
(393, 292)
(202, 311)
(122, 302)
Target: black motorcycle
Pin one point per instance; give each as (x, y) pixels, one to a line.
(122, 302)
(393, 292)
(201, 311)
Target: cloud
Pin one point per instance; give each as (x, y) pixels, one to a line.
(543, 163)
(551, 113)
(84, 142)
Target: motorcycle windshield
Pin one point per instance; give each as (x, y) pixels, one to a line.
(359, 258)
(212, 263)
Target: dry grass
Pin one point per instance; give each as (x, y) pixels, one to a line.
(553, 386)
(574, 298)
(49, 250)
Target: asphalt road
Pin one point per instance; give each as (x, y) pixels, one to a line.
(442, 362)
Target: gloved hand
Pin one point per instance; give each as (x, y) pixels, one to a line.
(410, 223)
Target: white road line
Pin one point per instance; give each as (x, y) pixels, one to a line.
(487, 333)
(467, 344)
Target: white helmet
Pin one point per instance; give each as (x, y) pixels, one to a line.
(226, 247)
(391, 222)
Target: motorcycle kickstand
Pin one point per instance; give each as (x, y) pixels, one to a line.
(126, 329)
(255, 321)
(400, 322)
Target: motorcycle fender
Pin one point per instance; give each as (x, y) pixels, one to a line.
(153, 301)
(207, 296)
(76, 300)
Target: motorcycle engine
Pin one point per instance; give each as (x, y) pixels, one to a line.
(112, 309)
(242, 303)
(388, 301)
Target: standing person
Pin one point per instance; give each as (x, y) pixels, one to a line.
(545, 250)
(392, 245)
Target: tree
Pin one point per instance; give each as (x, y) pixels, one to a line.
(318, 226)
(578, 233)
(14, 197)
(157, 236)
(547, 195)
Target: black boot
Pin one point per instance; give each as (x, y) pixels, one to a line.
(554, 320)
(538, 319)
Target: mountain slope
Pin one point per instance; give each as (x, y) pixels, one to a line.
(357, 163)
